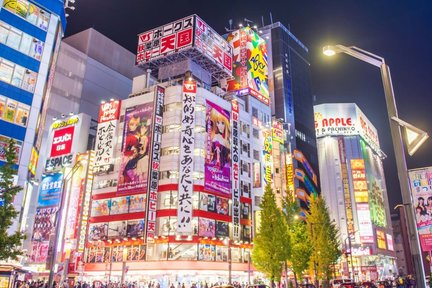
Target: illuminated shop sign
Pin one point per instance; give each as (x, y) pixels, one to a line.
(235, 169)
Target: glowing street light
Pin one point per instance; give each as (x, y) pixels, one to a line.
(398, 144)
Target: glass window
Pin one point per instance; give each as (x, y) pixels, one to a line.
(236, 255)
(255, 133)
(18, 76)
(180, 252)
(167, 200)
(26, 42)
(22, 8)
(43, 20)
(172, 107)
(2, 106)
(171, 151)
(14, 38)
(33, 14)
(10, 112)
(166, 225)
(206, 252)
(195, 200)
(10, 5)
(4, 31)
(200, 129)
(29, 82)
(222, 253)
(6, 70)
(36, 49)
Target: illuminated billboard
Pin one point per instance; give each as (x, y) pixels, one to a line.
(344, 119)
(250, 64)
(420, 182)
(364, 223)
(186, 38)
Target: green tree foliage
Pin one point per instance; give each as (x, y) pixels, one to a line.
(271, 244)
(9, 244)
(300, 248)
(323, 236)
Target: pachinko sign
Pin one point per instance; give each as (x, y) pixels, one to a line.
(250, 64)
(109, 114)
(335, 120)
(187, 145)
(421, 189)
(155, 163)
(217, 165)
(137, 138)
(235, 155)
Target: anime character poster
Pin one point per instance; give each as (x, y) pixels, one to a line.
(117, 229)
(135, 228)
(137, 203)
(98, 231)
(218, 153)
(222, 206)
(207, 227)
(119, 205)
(133, 175)
(211, 205)
(101, 207)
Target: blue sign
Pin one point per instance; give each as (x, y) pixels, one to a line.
(1, 202)
(50, 190)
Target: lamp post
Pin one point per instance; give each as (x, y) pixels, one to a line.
(398, 145)
(227, 242)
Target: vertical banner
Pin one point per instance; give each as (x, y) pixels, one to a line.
(235, 186)
(187, 145)
(50, 193)
(106, 135)
(421, 189)
(267, 156)
(217, 167)
(155, 163)
(364, 223)
(133, 175)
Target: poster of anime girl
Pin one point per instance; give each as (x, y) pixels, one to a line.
(218, 150)
(136, 148)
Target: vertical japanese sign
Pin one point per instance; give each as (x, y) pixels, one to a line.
(364, 223)
(165, 40)
(187, 145)
(105, 136)
(267, 157)
(62, 141)
(346, 186)
(359, 181)
(155, 163)
(133, 175)
(421, 189)
(85, 214)
(217, 165)
(235, 184)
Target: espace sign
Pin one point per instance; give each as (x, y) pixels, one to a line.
(62, 141)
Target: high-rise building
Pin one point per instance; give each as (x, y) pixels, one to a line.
(30, 34)
(354, 187)
(90, 69)
(292, 106)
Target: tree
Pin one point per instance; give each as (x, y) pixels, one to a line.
(9, 244)
(271, 244)
(300, 248)
(323, 235)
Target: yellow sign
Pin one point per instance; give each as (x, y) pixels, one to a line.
(67, 122)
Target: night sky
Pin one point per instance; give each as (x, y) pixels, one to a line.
(399, 31)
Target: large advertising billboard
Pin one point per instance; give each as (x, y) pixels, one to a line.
(217, 165)
(421, 189)
(250, 64)
(50, 190)
(235, 156)
(137, 137)
(267, 152)
(364, 223)
(344, 119)
(187, 146)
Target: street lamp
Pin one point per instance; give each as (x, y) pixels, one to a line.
(398, 145)
(227, 242)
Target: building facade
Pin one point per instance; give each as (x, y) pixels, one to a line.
(292, 106)
(29, 42)
(353, 185)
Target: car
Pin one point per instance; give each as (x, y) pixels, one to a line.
(307, 285)
(368, 284)
(336, 283)
(348, 285)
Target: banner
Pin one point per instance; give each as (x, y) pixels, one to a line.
(267, 174)
(206, 227)
(50, 190)
(217, 167)
(364, 223)
(109, 111)
(136, 148)
(62, 141)
(187, 145)
(43, 228)
(155, 163)
(235, 154)
(421, 189)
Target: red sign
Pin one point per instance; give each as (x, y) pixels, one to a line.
(62, 141)
(109, 111)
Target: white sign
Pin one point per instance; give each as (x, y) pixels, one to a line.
(361, 251)
(235, 185)
(187, 145)
(390, 242)
(105, 142)
(155, 163)
(364, 223)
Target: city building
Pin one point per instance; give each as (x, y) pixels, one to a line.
(30, 34)
(90, 68)
(196, 134)
(354, 187)
(292, 107)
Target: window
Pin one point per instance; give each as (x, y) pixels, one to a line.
(255, 133)
(170, 151)
(6, 70)
(26, 42)
(172, 107)
(29, 82)
(256, 154)
(168, 175)
(167, 200)
(172, 128)
(30, 12)
(14, 38)
(199, 129)
(36, 49)
(4, 31)
(254, 112)
(199, 152)
(18, 76)
(20, 41)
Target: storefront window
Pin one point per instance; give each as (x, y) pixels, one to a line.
(157, 251)
(10, 110)
(180, 251)
(4, 31)
(28, 11)
(36, 49)
(166, 225)
(33, 14)
(207, 252)
(18, 76)
(6, 70)
(26, 42)
(221, 253)
(236, 255)
(195, 200)
(14, 38)
(29, 82)
(167, 200)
